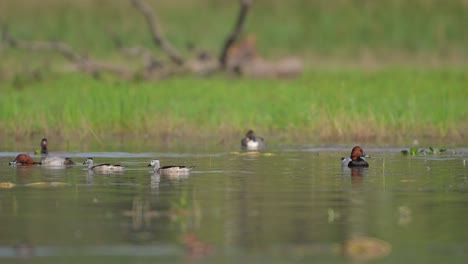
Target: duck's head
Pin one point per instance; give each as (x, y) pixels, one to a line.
(88, 161)
(69, 161)
(357, 153)
(44, 146)
(250, 134)
(154, 163)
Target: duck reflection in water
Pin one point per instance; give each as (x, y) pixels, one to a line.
(357, 176)
(195, 248)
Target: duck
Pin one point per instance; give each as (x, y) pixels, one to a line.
(356, 158)
(23, 159)
(105, 167)
(171, 170)
(56, 161)
(44, 150)
(252, 142)
(52, 161)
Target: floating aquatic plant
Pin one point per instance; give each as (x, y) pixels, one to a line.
(365, 248)
(423, 151)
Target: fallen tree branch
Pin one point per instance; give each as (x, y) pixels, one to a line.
(83, 63)
(59, 47)
(239, 26)
(156, 31)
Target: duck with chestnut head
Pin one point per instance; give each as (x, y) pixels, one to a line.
(356, 159)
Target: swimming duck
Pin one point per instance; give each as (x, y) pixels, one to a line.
(56, 161)
(23, 159)
(52, 161)
(251, 142)
(356, 158)
(169, 170)
(103, 167)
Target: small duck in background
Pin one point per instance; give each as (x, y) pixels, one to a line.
(356, 159)
(170, 170)
(23, 159)
(105, 167)
(44, 150)
(252, 142)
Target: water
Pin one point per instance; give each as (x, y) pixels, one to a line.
(281, 206)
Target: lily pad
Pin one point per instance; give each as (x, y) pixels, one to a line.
(424, 151)
(365, 248)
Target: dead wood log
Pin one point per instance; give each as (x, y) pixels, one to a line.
(243, 58)
(156, 32)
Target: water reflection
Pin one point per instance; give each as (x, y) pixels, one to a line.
(358, 242)
(291, 206)
(140, 227)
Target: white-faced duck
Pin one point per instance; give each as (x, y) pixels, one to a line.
(105, 167)
(171, 170)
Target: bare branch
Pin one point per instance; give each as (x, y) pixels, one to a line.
(239, 26)
(83, 63)
(96, 67)
(59, 47)
(156, 31)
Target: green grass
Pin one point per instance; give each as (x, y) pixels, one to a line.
(386, 106)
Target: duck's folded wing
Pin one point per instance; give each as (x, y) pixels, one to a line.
(171, 167)
(101, 165)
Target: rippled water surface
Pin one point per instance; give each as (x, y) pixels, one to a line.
(279, 206)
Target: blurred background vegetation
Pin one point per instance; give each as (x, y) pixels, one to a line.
(398, 71)
(429, 32)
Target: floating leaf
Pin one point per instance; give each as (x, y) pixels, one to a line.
(425, 151)
(365, 248)
(332, 215)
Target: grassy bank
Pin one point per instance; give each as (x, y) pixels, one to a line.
(388, 106)
(383, 101)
